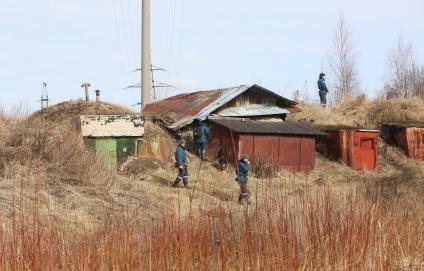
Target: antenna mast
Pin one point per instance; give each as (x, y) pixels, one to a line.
(44, 97)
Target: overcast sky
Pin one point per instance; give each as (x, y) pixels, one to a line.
(282, 45)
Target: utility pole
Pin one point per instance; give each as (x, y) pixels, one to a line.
(145, 54)
(86, 85)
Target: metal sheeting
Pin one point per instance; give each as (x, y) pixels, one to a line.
(355, 148)
(410, 137)
(179, 111)
(252, 111)
(259, 127)
(294, 153)
(111, 126)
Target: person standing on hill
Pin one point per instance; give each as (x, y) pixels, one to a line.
(323, 90)
(201, 137)
(181, 164)
(242, 177)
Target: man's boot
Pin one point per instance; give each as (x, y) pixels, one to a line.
(240, 199)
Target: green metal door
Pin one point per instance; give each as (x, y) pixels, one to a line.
(106, 152)
(125, 148)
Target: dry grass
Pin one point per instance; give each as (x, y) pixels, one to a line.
(56, 216)
(369, 114)
(316, 230)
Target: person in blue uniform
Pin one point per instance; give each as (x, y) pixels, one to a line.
(181, 164)
(323, 90)
(242, 177)
(201, 137)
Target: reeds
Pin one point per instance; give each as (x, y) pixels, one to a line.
(319, 230)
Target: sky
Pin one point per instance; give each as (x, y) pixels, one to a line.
(281, 45)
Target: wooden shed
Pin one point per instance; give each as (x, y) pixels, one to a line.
(289, 145)
(410, 137)
(112, 137)
(357, 148)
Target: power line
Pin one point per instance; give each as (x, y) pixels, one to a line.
(180, 36)
(124, 31)
(171, 44)
(118, 36)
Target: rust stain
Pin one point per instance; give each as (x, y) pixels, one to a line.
(355, 148)
(412, 141)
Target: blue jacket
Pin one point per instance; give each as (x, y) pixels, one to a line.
(243, 171)
(322, 86)
(202, 132)
(180, 156)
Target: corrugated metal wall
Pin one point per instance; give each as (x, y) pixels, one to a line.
(292, 153)
(355, 148)
(411, 139)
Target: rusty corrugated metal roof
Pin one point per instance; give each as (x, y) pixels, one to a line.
(180, 110)
(260, 127)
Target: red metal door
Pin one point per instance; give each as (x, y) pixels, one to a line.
(367, 152)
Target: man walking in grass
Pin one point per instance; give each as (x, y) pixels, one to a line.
(201, 137)
(242, 177)
(323, 90)
(181, 164)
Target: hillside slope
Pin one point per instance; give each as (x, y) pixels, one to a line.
(44, 152)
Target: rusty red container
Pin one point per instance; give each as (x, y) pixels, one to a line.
(410, 137)
(356, 148)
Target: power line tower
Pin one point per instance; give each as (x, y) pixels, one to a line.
(44, 96)
(154, 84)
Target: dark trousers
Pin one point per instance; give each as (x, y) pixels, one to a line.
(201, 148)
(323, 99)
(182, 176)
(244, 192)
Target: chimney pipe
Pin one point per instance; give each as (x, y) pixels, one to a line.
(86, 85)
(97, 97)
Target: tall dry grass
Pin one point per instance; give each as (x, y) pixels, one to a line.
(319, 230)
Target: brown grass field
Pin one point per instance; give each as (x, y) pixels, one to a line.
(60, 210)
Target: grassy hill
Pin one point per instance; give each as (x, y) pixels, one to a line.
(61, 210)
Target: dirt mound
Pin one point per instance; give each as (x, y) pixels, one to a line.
(67, 113)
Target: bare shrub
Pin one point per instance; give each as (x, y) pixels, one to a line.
(343, 63)
(404, 76)
(319, 231)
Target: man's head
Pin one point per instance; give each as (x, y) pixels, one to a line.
(245, 157)
(321, 75)
(181, 142)
(197, 121)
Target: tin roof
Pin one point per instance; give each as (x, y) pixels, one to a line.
(180, 110)
(260, 127)
(112, 126)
